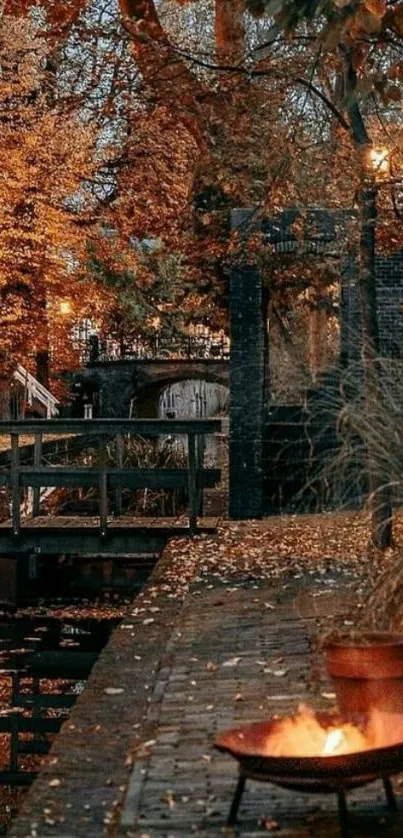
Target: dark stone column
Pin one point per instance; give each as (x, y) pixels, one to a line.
(247, 393)
(116, 389)
(9, 572)
(349, 319)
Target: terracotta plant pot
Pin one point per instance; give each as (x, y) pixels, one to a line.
(366, 669)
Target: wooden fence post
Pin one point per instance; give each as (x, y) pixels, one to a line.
(36, 491)
(14, 741)
(192, 482)
(103, 487)
(15, 484)
(200, 449)
(119, 463)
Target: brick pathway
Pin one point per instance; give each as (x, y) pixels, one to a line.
(215, 675)
(184, 664)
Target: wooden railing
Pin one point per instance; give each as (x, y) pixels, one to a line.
(103, 431)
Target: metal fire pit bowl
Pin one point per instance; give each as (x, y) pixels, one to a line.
(328, 774)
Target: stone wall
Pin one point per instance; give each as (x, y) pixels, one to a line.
(246, 394)
(113, 384)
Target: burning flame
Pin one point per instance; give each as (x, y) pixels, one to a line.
(302, 735)
(334, 740)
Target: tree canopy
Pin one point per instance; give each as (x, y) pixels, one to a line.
(154, 121)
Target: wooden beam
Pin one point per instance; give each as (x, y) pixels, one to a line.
(200, 450)
(142, 427)
(36, 699)
(192, 482)
(119, 443)
(103, 486)
(15, 484)
(118, 540)
(43, 700)
(36, 499)
(34, 746)
(17, 778)
(27, 724)
(63, 663)
(137, 478)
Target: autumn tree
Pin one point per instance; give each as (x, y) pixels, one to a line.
(43, 161)
(235, 112)
(215, 126)
(360, 63)
(58, 156)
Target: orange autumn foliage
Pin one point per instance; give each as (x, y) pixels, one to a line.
(42, 163)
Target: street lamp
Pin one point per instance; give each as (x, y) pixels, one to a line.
(379, 160)
(64, 307)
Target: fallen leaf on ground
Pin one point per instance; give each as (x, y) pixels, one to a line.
(169, 798)
(231, 662)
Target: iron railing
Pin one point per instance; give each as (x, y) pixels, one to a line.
(156, 347)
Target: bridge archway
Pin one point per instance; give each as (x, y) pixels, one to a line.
(184, 398)
(120, 387)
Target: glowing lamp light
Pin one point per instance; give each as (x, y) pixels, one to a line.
(64, 307)
(379, 160)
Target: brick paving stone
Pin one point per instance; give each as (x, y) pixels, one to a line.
(223, 645)
(200, 667)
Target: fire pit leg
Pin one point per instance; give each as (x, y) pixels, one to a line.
(231, 820)
(343, 813)
(390, 795)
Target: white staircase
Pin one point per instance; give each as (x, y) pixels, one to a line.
(36, 392)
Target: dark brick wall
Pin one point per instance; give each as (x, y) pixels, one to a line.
(389, 292)
(247, 394)
(389, 282)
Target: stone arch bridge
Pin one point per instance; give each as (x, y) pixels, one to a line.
(113, 385)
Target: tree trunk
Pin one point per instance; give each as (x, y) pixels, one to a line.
(42, 367)
(229, 31)
(379, 489)
(4, 397)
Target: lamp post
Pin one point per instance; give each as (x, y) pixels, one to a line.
(380, 503)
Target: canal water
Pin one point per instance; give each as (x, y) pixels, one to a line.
(48, 645)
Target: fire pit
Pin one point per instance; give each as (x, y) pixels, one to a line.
(321, 752)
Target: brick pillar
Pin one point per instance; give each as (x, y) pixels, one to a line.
(247, 393)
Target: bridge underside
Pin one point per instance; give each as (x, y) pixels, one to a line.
(53, 536)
